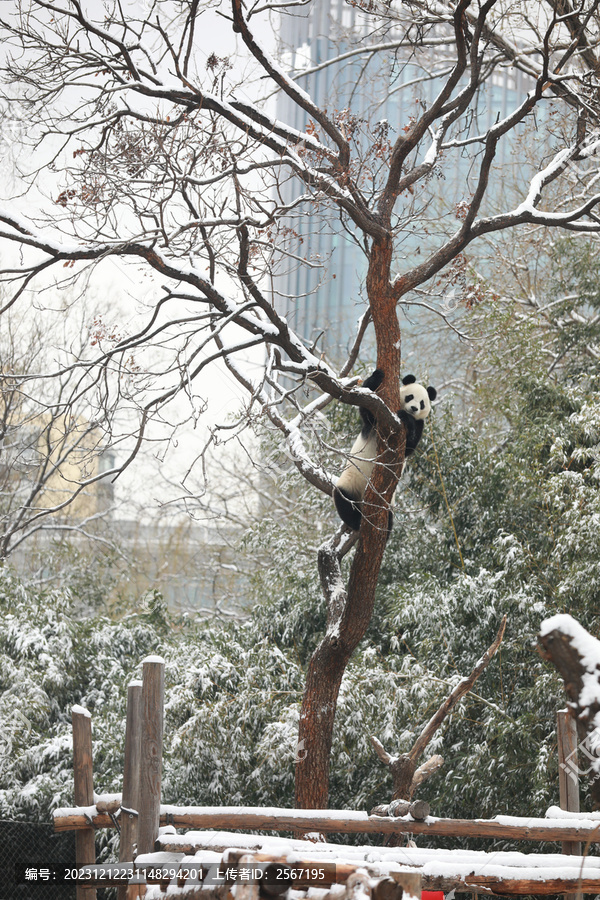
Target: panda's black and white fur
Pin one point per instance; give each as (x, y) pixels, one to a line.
(352, 483)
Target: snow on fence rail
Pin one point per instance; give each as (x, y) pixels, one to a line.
(343, 822)
(309, 865)
(461, 870)
(180, 864)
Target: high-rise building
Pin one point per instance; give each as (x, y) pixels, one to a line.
(320, 284)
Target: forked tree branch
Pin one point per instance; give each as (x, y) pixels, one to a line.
(405, 775)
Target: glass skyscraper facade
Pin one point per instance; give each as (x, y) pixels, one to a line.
(320, 285)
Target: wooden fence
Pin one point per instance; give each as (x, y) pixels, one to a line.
(153, 856)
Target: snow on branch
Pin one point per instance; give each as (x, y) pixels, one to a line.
(279, 76)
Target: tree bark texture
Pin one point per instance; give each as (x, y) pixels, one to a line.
(349, 617)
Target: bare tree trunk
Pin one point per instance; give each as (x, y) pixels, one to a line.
(327, 668)
(350, 611)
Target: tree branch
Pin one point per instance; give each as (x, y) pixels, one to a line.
(405, 775)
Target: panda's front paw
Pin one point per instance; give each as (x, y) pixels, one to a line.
(374, 380)
(413, 431)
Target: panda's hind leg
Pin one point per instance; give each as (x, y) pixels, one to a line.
(348, 508)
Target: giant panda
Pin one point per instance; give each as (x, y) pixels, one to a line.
(352, 483)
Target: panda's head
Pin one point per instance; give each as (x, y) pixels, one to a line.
(416, 399)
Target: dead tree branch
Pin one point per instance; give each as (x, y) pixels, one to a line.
(406, 777)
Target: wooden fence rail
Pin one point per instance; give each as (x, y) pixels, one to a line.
(139, 813)
(346, 822)
(324, 865)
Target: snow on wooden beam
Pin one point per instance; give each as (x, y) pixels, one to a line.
(505, 872)
(344, 822)
(379, 861)
(154, 872)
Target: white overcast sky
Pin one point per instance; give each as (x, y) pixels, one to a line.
(123, 284)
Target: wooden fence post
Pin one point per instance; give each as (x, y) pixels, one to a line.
(85, 847)
(568, 777)
(153, 689)
(131, 783)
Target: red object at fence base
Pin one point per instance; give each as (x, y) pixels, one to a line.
(432, 895)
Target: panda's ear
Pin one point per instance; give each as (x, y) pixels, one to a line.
(432, 393)
(409, 379)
